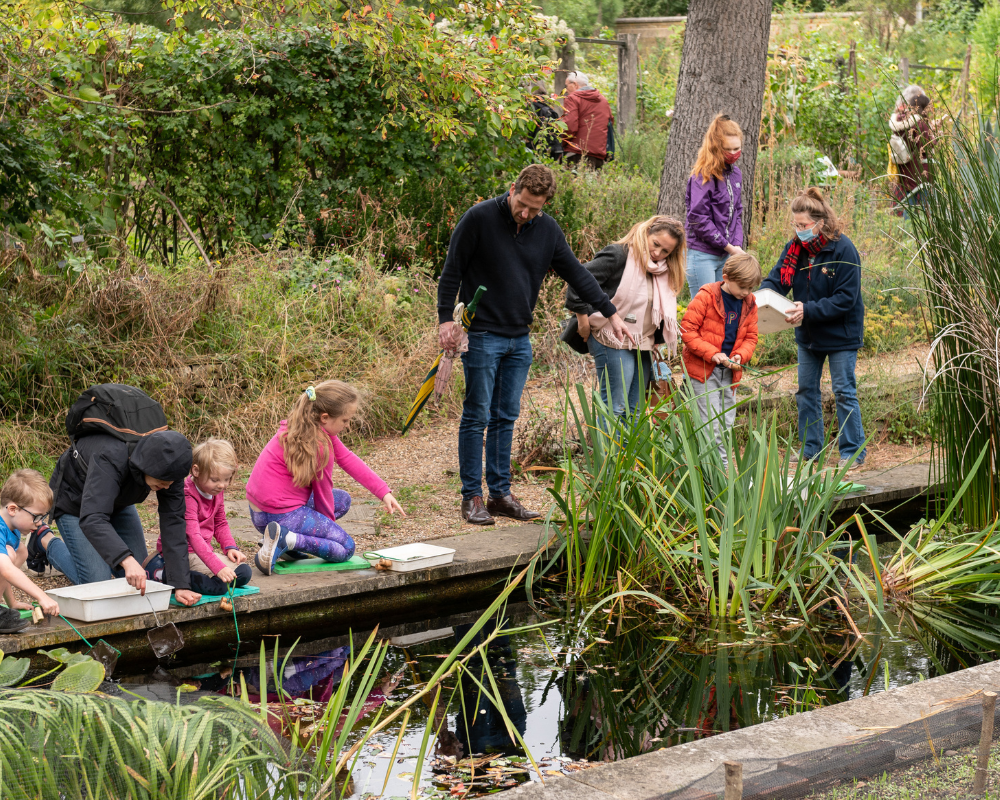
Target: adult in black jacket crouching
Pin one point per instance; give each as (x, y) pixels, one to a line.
(102, 536)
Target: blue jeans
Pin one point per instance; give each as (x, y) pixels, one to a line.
(496, 368)
(618, 376)
(75, 557)
(703, 268)
(810, 403)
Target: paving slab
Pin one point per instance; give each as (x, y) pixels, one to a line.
(887, 487)
(651, 775)
(312, 603)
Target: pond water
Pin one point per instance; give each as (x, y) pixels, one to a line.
(619, 686)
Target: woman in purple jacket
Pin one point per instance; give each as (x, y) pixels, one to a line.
(714, 224)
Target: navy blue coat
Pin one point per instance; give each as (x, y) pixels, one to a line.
(830, 293)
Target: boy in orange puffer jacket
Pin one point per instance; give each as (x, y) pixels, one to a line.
(719, 331)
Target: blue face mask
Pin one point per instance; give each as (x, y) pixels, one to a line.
(805, 236)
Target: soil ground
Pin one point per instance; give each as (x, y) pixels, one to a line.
(949, 777)
(422, 467)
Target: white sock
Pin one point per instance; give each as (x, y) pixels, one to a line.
(290, 540)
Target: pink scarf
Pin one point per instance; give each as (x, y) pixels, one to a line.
(664, 303)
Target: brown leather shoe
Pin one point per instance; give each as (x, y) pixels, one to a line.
(510, 506)
(475, 513)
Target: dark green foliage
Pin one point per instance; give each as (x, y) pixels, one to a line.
(655, 8)
(28, 174)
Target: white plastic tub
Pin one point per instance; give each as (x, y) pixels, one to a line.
(92, 602)
(410, 557)
(771, 311)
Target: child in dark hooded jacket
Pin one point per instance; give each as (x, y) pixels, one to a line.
(102, 536)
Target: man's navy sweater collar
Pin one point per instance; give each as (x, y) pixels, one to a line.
(503, 203)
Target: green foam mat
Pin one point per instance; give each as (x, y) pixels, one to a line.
(215, 598)
(846, 487)
(319, 565)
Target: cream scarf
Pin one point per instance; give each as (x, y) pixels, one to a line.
(664, 304)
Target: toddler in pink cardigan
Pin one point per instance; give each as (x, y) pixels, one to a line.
(212, 469)
(292, 499)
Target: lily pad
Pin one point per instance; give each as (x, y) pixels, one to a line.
(12, 670)
(83, 676)
(64, 656)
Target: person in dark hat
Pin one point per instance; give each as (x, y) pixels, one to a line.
(102, 536)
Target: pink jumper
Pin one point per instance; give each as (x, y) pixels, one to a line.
(270, 487)
(206, 520)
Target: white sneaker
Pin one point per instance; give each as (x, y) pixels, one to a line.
(853, 468)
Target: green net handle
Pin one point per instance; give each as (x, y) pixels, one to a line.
(470, 310)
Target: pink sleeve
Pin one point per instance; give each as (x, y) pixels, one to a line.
(322, 491)
(196, 539)
(222, 533)
(358, 470)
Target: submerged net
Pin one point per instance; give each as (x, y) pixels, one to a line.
(800, 775)
(62, 745)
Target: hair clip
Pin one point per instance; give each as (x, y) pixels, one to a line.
(311, 393)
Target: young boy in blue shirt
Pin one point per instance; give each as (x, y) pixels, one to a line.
(25, 499)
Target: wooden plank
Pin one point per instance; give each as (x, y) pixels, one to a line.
(628, 77)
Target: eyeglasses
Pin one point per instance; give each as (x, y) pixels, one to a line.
(804, 226)
(37, 519)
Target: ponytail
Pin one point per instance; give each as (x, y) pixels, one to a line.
(304, 440)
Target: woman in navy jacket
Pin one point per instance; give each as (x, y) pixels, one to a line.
(822, 268)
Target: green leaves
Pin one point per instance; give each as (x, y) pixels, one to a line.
(662, 514)
(12, 670)
(81, 676)
(64, 656)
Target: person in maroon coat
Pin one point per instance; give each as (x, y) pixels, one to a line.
(913, 124)
(587, 116)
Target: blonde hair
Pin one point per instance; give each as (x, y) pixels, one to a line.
(305, 441)
(743, 269)
(213, 456)
(812, 202)
(711, 160)
(637, 240)
(26, 486)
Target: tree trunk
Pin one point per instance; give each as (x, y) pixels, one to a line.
(723, 68)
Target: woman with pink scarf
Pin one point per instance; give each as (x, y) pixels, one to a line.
(643, 273)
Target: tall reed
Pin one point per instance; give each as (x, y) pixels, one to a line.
(960, 256)
(649, 504)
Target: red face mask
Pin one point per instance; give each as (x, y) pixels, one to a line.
(731, 158)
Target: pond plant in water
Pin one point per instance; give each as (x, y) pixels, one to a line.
(647, 510)
(648, 505)
(87, 745)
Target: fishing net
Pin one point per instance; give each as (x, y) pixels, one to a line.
(800, 775)
(68, 746)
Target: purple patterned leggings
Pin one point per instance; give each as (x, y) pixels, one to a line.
(315, 533)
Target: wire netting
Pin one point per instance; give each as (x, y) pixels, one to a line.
(796, 776)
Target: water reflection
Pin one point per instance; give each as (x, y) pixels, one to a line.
(622, 687)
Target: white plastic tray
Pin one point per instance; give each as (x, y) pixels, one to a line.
(410, 639)
(92, 602)
(409, 557)
(771, 310)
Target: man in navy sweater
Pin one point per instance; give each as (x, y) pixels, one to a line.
(507, 245)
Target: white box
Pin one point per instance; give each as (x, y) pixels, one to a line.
(92, 602)
(771, 310)
(409, 557)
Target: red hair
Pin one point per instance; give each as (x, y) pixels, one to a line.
(711, 160)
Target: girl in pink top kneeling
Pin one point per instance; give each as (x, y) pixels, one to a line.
(290, 491)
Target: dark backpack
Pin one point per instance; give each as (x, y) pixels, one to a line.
(117, 410)
(114, 409)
